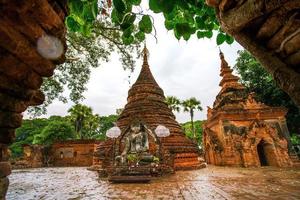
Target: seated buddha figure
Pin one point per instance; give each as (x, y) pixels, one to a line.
(137, 143)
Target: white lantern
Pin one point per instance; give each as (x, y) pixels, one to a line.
(113, 132)
(162, 131)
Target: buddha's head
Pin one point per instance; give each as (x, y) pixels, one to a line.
(136, 127)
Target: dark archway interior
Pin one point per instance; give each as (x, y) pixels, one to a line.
(262, 154)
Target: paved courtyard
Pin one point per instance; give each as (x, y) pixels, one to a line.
(210, 183)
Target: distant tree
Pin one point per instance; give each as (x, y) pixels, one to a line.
(93, 123)
(25, 134)
(190, 105)
(56, 130)
(295, 139)
(258, 80)
(106, 122)
(80, 115)
(32, 131)
(173, 103)
(188, 130)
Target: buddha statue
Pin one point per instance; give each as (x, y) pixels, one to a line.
(137, 143)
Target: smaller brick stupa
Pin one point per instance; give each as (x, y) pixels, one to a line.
(240, 131)
(146, 108)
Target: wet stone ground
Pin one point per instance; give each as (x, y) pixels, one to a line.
(210, 183)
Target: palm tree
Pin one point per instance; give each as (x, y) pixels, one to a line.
(173, 103)
(190, 105)
(93, 122)
(79, 114)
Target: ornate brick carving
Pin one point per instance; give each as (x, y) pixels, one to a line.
(241, 131)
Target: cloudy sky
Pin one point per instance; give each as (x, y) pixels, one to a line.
(182, 69)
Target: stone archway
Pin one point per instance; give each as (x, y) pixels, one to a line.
(262, 154)
(266, 153)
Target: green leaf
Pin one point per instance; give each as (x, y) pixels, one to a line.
(189, 18)
(182, 4)
(167, 6)
(210, 11)
(128, 31)
(95, 9)
(229, 39)
(114, 16)
(86, 30)
(78, 19)
(128, 21)
(208, 34)
(200, 23)
(221, 37)
(76, 7)
(136, 2)
(127, 40)
(183, 29)
(140, 36)
(177, 35)
(200, 34)
(128, 6)
(88, 14)
(154, 6)
(210, 26)
(145, 25)
(169, 25)
(186, 36)
(192, 30)
(72, 24)
(119, 5)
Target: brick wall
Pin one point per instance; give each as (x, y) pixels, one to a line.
(73, 153)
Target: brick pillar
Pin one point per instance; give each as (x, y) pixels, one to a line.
(5, 170)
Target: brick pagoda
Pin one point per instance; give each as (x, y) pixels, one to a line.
(146, 103)
(240, 131)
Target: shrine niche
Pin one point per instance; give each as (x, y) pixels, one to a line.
(136, 156)
(145, 111)
(137, 143)
(240, 131)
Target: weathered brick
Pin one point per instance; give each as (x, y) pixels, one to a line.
(7, 135)
(10, 119)
(240, 131)
(5, 169)
(3, 187)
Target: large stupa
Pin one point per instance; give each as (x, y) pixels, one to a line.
(146, 104)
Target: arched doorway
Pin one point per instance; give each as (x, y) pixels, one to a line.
(262, 154)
